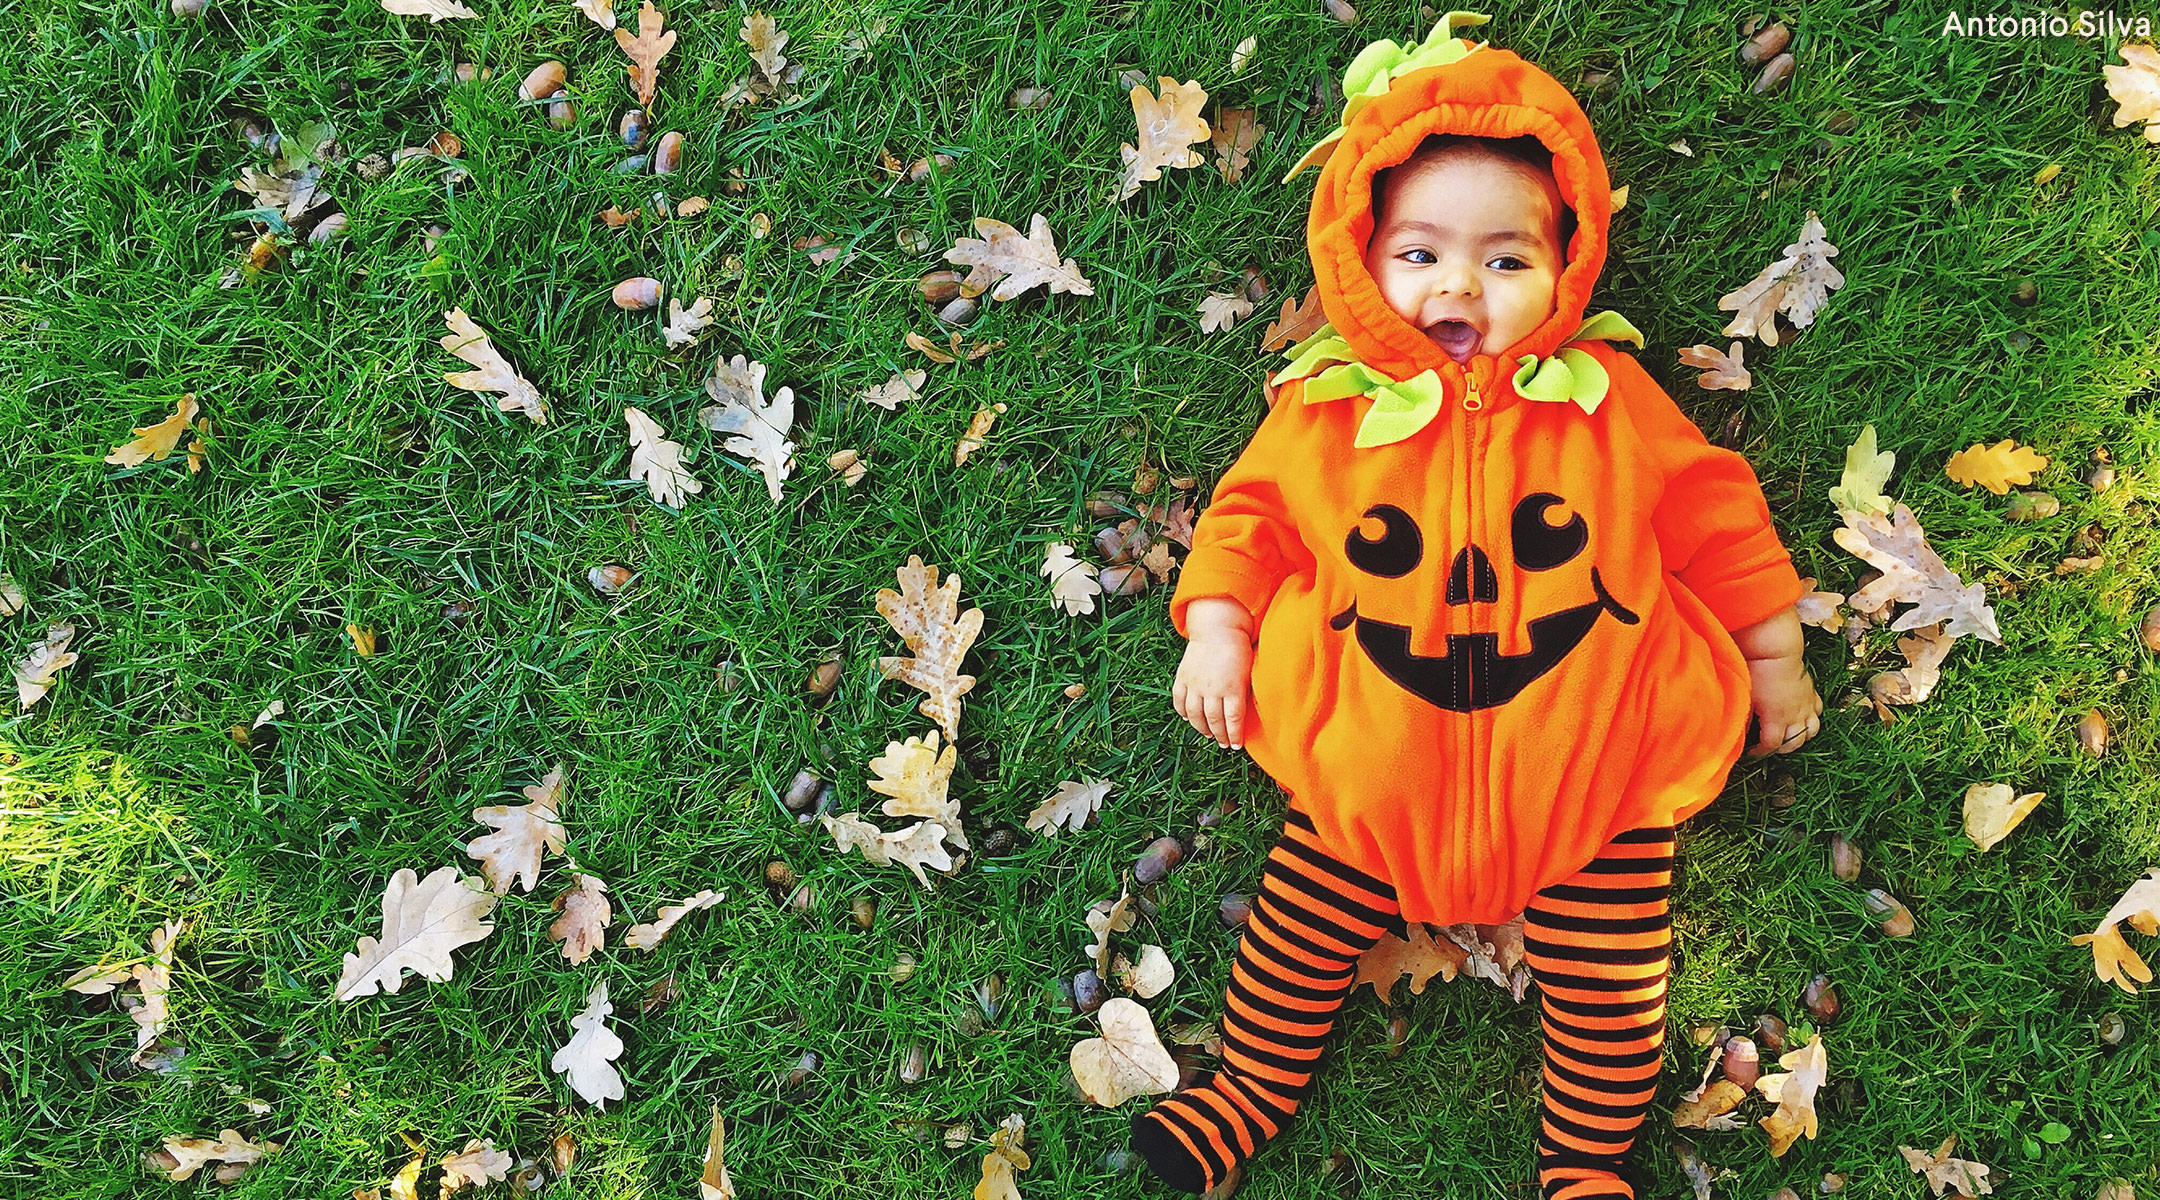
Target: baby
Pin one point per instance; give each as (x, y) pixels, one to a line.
(1483, 601)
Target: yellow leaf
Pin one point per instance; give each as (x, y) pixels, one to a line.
(363, 639)
(1992, 810)
(1995, 467)
(1005, 1157)
(978, 429)
(1169, 125)
(1860, 487)
(2136, 88)
(1421, 958)
(1295, 323)
(2113, 959)
(645, 51)
(156, 441)
(714, 1184)
(928, 618)
(1127, 1060)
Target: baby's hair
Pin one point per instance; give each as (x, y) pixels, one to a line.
(1526, 149)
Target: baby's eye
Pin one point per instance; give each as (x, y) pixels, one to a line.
(1508, 262)
(1420, 257)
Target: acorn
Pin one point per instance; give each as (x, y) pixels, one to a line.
(456, 613)
(329, 229)
(561, 114)
(1768, 42)
(1775, 76)
(2149, 629)
(188, 8)
(999, 841)
(1749, 23)
(990, 997)
(1742, 1063)
(2031, 506)
(1821, 999)
(610, 579)
(1832, 1183)
(1216, 813)
(802, 899)
(562, 1152)
(959, 310)
(1089, 991)
(1398, 1035)
(1234, 910)
(779, 876)
(915, 1064)
(2018, 340)
(469, 72)
(667, 157)
(2100, 477)
(938, 287)
(373, 167)
(921, 168)
(805, 1067)
(634, 130)
(2092, 733)
(2111, 1028)
(1157, 860)
(1340, 10)
(863, 910)
(1026, 97)
(801, 790)
(1702, 1033)
(2025, 293)
(1770, 1033)
(1897, 920)
(1845, 857)
(824, 678)
(544, 80)
(663, 992)
(637, 293)
(903, 968)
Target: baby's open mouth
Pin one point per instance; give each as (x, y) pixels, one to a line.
(1458, 337)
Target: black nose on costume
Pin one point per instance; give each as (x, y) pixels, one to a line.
(1471, 577)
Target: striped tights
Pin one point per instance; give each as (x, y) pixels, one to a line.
(1598, 946)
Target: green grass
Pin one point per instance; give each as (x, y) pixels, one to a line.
(348, 484)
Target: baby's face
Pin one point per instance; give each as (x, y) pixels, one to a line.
(1468, 251)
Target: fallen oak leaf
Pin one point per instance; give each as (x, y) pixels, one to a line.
(587, 1058)
(1220, 310)
(645, 937)
(1072, 582)
(1236, 132)
(915, 847)
(436, 11)
(916, 780)
(474, 1166)
(1860, 486)
(1797, 285)
(978, 429)
(759, 426)
(1819, 608)
(714, 1183)
(1127, 1060)
(1912, 572)
(582, 927)
(1992, 810)
(523, 834)
(1712, 1109)
(1006, 1156)
(1295, 323)
(1104, 918)
(1069, 806)
(1015, 264)
(928, 619)
(191, 1154)
(683, 323)
(658, 462)
(1995, 467)
(2135, 88)
(40, 669)
(495, 374)
(930, 349)
(153, 981)
(2113, 959)
(1720, 369)
(765, 39)
(1924, 652)
(1962, 1176)
(157, 442)
(1168, 125)
(645, 51)
(602, 12)
(1420, 957)
(903, 386)
(1806, 1070)
(423, 920)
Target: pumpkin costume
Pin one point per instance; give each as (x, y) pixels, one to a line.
(1492, 662)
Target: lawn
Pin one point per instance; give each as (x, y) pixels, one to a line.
(346, 483)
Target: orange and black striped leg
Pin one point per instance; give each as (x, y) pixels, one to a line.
(1295, 964)
(1599, 945)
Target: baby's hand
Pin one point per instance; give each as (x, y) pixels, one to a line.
(1215, 677)
(1788, 711)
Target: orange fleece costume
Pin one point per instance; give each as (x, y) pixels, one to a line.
(1492, 626)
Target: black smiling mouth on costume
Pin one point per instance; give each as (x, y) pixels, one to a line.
(1472, 674)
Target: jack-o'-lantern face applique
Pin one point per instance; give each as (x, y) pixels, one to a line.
(1472, 674)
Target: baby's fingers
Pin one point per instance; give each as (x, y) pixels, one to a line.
(1234, 720)
(1216, 728)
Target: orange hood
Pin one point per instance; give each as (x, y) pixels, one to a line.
(1486, 92)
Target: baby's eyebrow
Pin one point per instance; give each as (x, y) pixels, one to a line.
(1501, 235)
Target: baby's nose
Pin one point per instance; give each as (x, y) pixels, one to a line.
(1455, 278)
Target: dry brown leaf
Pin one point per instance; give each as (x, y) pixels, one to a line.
(1237, 131)
(1006, 1156)
(1072, 582)
(645, 51)
(405, 1185)
(1158, 562)
(1178, 522)
(1105, 917)
(523, 834)
(2136, 88)
(1995, 467)
(588, 1057)
(1127, 1060)
(2113, 959)
(1069, 806)
(1912, 572)
(1015, 263)
(714, 1184)
(435, 11)
(12, 598)
(294, 193)
(1295, 323)
(192, 1154)
(1719, 369)
(602, 12)
(766, 39)
(930, 349)
(156, 442)
(1148, 977)
(1962, 1177)
(645, 937)
(919, 845)
(978, 429)
(1796, 285)
(658, 462)
(1221, 310)
(759, 426)
(99, 978)
(582, 927)
(423, 920)
(37, 671)
(1820, 608)
(1992, 810)
(495, 374)
(1794, 1094)
(2071, 566)
(683, 323)
(363, 639)
(916, 779)
(153, 981)
(691, 206)
(1717, 1101)
(929, 620)
(1421, 957)
(476, 1165)
(851, 465)
(1924, 653)
(902, 387)
(1169, 125)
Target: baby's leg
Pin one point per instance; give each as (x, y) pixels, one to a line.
(1294, 967)
(1599, 945)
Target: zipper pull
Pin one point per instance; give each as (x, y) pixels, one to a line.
(1471, 403)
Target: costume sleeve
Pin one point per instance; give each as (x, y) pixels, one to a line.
(1711, 522)
(1245, 543)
